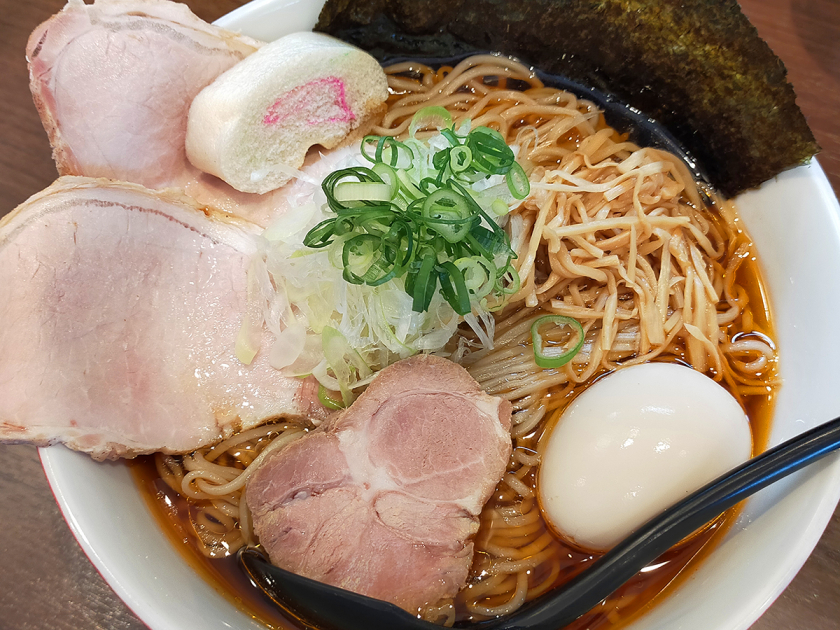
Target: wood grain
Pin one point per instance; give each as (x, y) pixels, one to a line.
(46, 582)
(804, 33)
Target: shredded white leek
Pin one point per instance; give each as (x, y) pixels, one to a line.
(297, 293)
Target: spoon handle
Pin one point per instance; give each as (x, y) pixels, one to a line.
(562, 606)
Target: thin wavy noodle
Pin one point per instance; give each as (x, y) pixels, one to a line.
(613, 235)
(213, 480)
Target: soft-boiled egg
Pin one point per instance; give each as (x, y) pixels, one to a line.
(634, 443)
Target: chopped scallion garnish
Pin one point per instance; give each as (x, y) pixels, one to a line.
(363, 191)
(420, 217)
(328, 401)
(430, 117)
(556, 339)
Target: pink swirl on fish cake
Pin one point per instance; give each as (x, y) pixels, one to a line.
(297, 101)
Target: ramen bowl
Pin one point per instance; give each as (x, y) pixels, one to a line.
(794, 221)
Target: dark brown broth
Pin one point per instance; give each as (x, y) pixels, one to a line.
(628, 603)
(223, 574)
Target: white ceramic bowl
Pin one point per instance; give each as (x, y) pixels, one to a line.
(795, 223)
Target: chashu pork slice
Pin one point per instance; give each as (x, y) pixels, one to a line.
(383, 498)
(120, 309)
(113, 82)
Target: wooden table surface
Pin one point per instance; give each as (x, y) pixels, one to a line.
(45, 579)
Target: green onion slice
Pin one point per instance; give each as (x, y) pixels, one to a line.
(343, 360)
(557, 339)
(479, 275)
(429, 185)
(331, 181)
(368, 148)
(389, 176)
(428, 117)
(499, 207)
(453, 288)
(321, 235)
(517, 181)
(328, 401)
(408, 187)
(450, 135)
(448, 213)
(423, 285)
(363, 191)
(460, 158)
(508, 281)
(490, 152)
(387, 150)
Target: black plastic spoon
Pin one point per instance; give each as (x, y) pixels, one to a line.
(329, 608)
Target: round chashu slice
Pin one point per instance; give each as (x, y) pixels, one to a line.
(383, 498)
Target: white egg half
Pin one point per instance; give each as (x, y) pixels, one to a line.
(634, 443)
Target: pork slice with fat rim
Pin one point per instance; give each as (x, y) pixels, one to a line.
(113, 82)
(120, 308)
(384, 497)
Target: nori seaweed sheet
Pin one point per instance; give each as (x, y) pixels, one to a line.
(696, 66)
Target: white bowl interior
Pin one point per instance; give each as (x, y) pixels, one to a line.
(795, 223)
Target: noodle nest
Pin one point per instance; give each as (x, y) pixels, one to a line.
(617, 237)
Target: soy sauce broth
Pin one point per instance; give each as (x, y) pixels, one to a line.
(630, 602)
